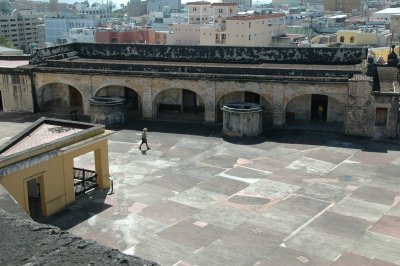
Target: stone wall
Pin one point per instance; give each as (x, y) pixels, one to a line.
(16, 91)
(360, 113)
(336, 110)
(300, 107)
(217, 54)
(391, 102)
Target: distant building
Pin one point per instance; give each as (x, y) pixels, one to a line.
(386, 14)
(346, 6)
(165, 6)
(136, 8)
(243, 5)
(198, 12)
(244, 31)
(147, 36)
(20, 30)
(363, 37)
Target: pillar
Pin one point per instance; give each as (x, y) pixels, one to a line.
(210, 103)
(101, 165)
(278, 109)
(147, 103)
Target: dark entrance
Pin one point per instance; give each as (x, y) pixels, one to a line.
(188, 101)
(131, 98)
(34, 198)
(251, 97)
(319, 107)
(75, 98)
(84, 180)
(1, 102)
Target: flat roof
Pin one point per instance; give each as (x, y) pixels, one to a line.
(389, 10)
(13, 63)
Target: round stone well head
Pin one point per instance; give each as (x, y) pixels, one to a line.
(107, 110)
(242, 119)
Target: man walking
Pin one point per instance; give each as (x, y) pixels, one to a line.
(144, 139)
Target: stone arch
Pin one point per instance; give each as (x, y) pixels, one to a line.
(247, 96)
(341, 39)
(60, 94)
(352, 39)
(315, 106)
(179, 104)
(132, 97)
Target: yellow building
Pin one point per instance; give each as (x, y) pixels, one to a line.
(381, 53)
(357, 37)
(37, 165)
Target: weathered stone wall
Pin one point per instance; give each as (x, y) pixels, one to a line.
(336, 110)
(300, 106)
(360, 113)
(53, 95)
(217, 54)
(391, 102)
(16, 91)
(111, 91)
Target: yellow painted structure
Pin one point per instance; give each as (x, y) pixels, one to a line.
(384, 52)
(356, 37)
(54, 172)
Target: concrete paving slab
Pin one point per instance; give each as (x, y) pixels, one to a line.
(341, 225)
(376, 195)
(284, 154)
(353, 169)
(147, 193)
(302, 205)
(354, 259)
(266, 164)
(272, 189)
(327, 155)
(369, 211)
(281, 221)
(321, 244)
(197, 198)
(222, 185)
(245, 173)
(372, 158)
(221, 160)
(311, 166)
(378, 246)
(286, 256)
(189, 234)
(168, 212)
(388, 225)
(327, 192)
(197, 170)
(223, 216)
(221, 253)
(395, 210)
(175, 182)
(164, 251)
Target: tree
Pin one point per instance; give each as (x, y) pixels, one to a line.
(5, 42)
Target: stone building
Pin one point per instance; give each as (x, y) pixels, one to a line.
(325, 85)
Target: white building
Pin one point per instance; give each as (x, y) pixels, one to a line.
(386, 14)
(244, 30)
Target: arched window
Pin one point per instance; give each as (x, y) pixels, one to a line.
(352, 39)
(341, 39)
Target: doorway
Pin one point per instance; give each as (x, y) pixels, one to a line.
(188, 101)
(75, 98)
(34, 197)
(319, 107)
(251, 97)
(1, 102)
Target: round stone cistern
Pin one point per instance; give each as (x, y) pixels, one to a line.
(107, 110)
(242, 119)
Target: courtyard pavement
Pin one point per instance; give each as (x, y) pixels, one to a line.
(289, 197)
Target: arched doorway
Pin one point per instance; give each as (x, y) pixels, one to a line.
(315, 111)
(179, 105)
(59, 97)
(246, 96)
(133, 103)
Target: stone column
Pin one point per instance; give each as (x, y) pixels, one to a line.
(147, 103)
(360, 109)
(278, 109)
(210, 103)
(101, 165)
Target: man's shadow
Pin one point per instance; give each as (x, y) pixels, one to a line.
(144, 152)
